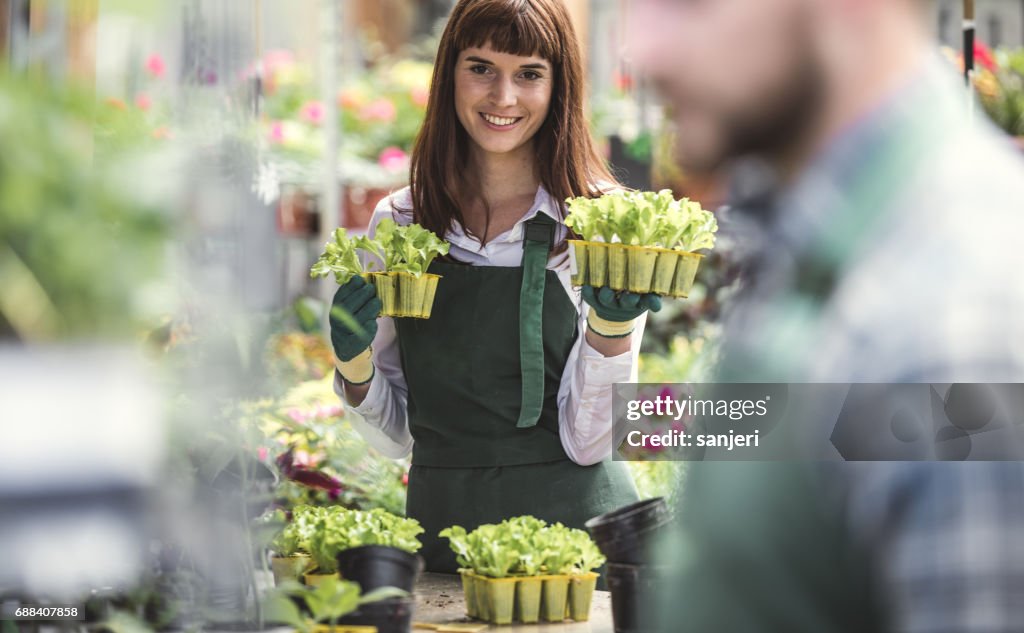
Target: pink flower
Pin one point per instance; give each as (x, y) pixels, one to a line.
(405, 479)
(155, 65)
(420, 96)
(380, 110)
(623, 81)
(393, 159)
(328, 410)
(262, 453)
(274, 59)
(296, 415)
(143, 102)
(313, 112)
(304, 459)
(277, 132)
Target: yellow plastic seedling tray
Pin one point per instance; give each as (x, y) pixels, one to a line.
(405, 294)
(641, 269)
(529, 599)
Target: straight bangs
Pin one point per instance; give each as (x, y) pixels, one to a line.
(514, 27)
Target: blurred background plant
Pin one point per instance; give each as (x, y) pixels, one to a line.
(379, 114)
(321, 459)
(1004, 101)
(998, 81)
(81, 254)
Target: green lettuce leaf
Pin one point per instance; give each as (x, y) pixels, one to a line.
(523, 545)
(336, 529)
(339, 258)
(408, 249)
(643, 218)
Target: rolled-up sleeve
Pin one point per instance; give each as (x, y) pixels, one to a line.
(585, 394)
(382, 418)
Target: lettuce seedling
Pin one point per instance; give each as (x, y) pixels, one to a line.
(337, 529)
(340, 257)
(408, 249)
(525, 546)
(294, 536)
(643, 218)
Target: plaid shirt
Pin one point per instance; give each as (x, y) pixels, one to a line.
(932, 292)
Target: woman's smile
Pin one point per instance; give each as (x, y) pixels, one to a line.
(500, 123)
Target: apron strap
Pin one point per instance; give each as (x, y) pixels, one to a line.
(538, 240)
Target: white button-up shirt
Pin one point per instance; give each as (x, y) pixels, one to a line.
(585, 392)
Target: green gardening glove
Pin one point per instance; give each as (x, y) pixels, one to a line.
(353, 318)
(612, 313)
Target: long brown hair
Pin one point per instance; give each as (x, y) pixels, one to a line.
(567, 163)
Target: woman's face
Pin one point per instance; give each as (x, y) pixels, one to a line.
(501, 99)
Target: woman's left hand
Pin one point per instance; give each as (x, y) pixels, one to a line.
(619, 306)
(611, 315)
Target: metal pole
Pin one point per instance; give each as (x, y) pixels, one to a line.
(968, 28)
(968, 32)
(331, 211)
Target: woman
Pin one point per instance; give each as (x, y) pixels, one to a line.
(504, 395)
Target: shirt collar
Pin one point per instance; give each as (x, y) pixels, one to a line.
(543, 202)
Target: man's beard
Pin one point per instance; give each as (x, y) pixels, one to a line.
(769, 126)
(780, 121)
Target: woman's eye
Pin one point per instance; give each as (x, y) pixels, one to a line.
(478, 69)
(531, 75)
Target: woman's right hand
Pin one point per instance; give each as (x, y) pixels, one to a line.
(353, 319)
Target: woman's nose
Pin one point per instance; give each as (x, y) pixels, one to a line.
(503, 92)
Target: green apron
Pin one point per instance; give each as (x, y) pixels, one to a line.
(475, 459)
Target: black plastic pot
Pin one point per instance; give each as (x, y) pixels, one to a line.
(624, 535)
(393, 615)
(630, 585)
(374, 566)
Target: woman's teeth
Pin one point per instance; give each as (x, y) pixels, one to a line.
(497, 120)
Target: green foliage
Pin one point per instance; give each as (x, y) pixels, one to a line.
(523, 546)
(1005, 104)
(327, 603)
(294, 537)
(659, 478)
(643, 218)
(81, 249)
(408, 249)
(337, 529)
(689, 358)
(340, 257)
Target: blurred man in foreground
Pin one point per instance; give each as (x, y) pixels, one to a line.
(884, 231)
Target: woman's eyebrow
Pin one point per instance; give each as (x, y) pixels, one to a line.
(481, 60)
